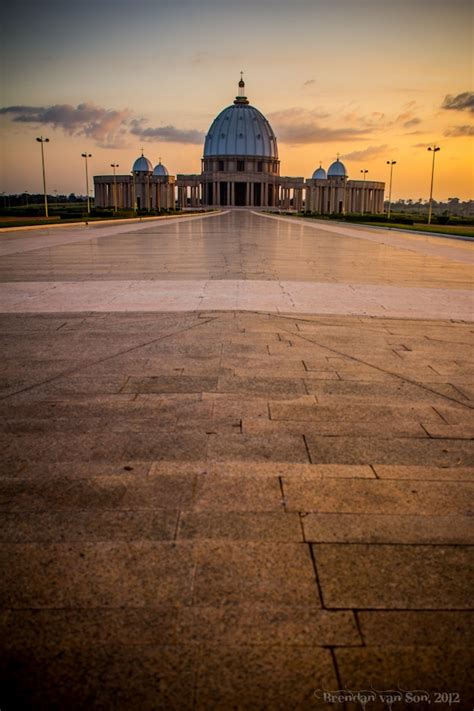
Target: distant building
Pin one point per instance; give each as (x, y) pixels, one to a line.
(240, 168)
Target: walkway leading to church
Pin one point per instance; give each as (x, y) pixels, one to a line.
(216, 504)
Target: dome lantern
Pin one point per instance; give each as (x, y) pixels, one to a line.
(241, 98)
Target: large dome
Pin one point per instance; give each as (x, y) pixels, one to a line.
(240, 130)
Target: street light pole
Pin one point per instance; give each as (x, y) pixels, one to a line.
(391, 163)
(363, 192)
(434, 150)
(115, 165)
(86, 156)
(44, 140)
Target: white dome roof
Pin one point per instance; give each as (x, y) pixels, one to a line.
(142, 165)
(337, 170)
(241, 130)
(319, 174)
(160, 170)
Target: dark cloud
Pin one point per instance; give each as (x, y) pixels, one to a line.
(412, 122)
(367, 153)
(459, 131)
(309, 81)
(301, 126)
(170, 134)
(460, 102)
(107, 127)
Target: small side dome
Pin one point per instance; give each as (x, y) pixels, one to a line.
(337, 170)
(142, 165)
(160, 170)
(319, 174)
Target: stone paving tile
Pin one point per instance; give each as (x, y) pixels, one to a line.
(267, 386)
(73, 469)
(257, 448)
(64, 446)
(442, 669)
(190, 445)
(61, 629)
(148, 677)
(394, 451)
(405, 427)
(237, 493)
(239, 526)
(416, 627)
(87, 526)
(263, 573)
(375, 496)
(267, 624)
(434, 473)
(288, 469)
(59, 575)
(391, 393)
(259, 677)
(387, 528)
(442, 431)
(393, 576)
(170, 384)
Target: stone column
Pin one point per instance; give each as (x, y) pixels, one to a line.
(232, 193)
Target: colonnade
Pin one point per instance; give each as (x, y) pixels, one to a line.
(127, 192)
(353, 196)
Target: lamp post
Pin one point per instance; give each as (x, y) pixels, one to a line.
(391, 163)
(434, 149)
(134, 193)
(44, 140)
(363, 192)
(86, 156)
(115, 165)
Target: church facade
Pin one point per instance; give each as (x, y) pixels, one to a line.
(240, 168)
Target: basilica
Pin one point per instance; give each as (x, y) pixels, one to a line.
(240, 168)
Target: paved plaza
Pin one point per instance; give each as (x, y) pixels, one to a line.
(237, 464)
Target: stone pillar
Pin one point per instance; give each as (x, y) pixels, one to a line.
(232, 193)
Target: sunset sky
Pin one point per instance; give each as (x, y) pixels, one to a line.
(373, 80)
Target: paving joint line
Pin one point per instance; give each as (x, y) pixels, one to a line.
(382, 370)
(106, 358)
(315, 570)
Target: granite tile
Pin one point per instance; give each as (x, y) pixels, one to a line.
(255, 448)
(393, 451)
(376, 496)
(276, 677)
(442, 669)
(75, 526)
(237, 493)
(394, 576)
(130, 677)
(101, 574)
(403, 628)
(60, 629)
(387, 528)
(415, 473)
(254, 572)
(267, 624)
(240, 525)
